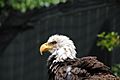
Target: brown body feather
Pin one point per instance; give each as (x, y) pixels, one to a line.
(86, 68)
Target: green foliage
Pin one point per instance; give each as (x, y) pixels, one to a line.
(2, 3)
(24, 5)
(108, 41)
(116, 69)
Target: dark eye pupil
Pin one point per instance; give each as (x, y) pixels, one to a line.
(54, 42)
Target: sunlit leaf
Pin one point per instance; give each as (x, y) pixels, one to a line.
(47, 4)
(23, 7)
(108, 41)
(101, 35)
(28, 2)
(55, 1)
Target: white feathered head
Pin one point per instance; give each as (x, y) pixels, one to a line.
(60, 46)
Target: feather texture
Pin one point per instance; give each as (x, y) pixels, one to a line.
(86, 68)
(64, 48)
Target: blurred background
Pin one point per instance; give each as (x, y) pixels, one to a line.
(26, 24)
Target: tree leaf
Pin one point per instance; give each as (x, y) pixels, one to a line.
(55, 1)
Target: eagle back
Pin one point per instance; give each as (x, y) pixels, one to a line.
(78, 69)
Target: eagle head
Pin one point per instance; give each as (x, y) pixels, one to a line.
(59, 46)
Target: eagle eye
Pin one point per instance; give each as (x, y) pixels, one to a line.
(54, 42)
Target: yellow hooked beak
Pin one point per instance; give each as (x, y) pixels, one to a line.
(45, 47)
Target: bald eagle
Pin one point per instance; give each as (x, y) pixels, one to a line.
(64, 65)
